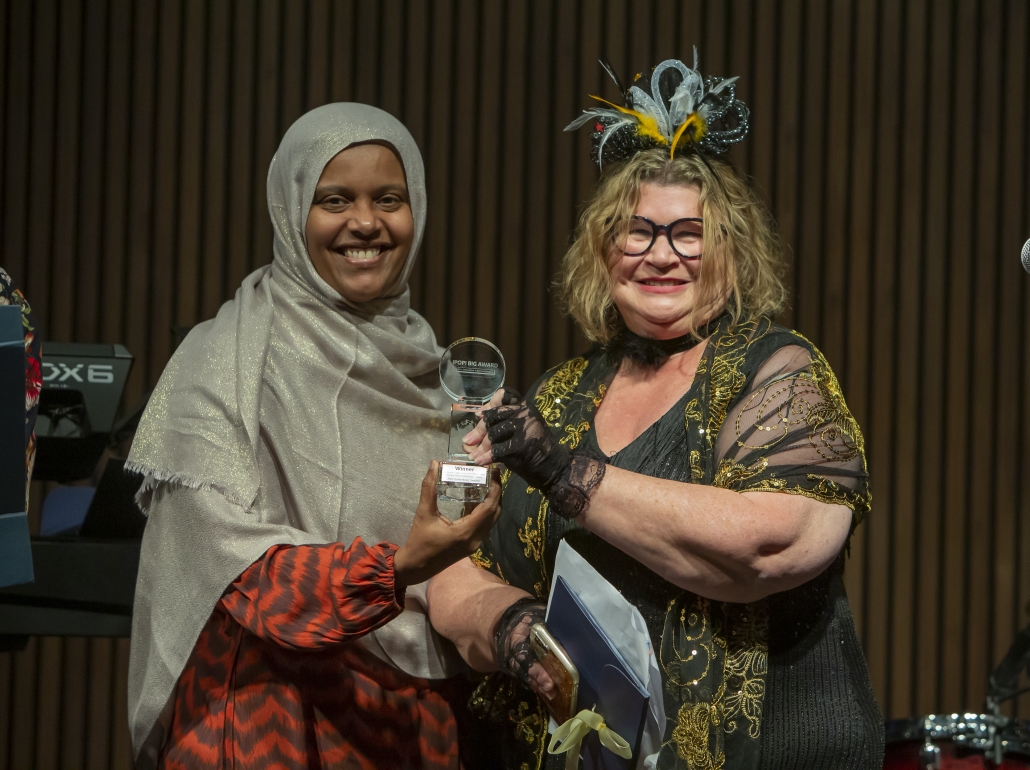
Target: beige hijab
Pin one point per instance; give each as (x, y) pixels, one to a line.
(292, 417)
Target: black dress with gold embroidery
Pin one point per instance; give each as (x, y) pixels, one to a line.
(779, 683)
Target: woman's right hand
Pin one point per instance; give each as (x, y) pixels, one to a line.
(434, 542)
(512, 650)
(540, 682)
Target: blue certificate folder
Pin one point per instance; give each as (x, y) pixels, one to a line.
(606, 682)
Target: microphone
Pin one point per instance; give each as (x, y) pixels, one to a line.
(1025, 256)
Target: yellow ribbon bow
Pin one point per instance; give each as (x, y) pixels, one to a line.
(571, 734)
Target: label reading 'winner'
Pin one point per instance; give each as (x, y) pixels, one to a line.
(463, 474)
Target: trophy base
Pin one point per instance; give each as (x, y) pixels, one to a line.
(464, 482)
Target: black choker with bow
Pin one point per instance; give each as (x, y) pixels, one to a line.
(649, 353)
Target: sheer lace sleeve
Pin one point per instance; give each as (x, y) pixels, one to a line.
(792, 432)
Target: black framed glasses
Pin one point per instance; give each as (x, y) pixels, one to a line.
(637, 235)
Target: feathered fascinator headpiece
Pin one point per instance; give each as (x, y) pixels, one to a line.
(680, 111)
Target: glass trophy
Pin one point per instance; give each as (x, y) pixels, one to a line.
(471, 371)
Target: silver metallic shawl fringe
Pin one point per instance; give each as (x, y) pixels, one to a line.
(291, 417)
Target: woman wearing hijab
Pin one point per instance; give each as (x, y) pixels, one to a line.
(277, 622)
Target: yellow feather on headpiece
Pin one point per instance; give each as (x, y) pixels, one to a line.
(694, 127)
(646, 125)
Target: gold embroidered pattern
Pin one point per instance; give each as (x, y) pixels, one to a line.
(553, 395)
(598, 397)
(689, 655)
(694, 722)
(747, 662)
(574, 434)
(825, 491)
(833, 410)
(527, 722)
(810, 398)
(529, 535)
(730, 474)
(727, 379)
(840, 433)
(488, 699)
(695, 632)
(482, 561)
(696, 473)
(772, 484)
(735, 636)
(692, 412)
(533, 536)
(775, 409)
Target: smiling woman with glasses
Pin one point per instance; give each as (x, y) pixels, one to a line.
(701, 458)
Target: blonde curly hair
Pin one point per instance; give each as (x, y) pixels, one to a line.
(742, 268)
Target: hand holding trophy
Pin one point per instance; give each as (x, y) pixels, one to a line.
(471, 371)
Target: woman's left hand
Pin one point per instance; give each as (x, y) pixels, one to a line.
(520, 439)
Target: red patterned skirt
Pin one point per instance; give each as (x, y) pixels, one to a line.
(242, 702)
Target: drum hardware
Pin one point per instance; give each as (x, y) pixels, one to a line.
(943, 741)
(994, 706)
(929, 754)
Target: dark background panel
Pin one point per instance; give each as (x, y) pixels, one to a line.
(889, 139)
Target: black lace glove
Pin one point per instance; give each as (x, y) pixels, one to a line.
(522, 441)
(511, 641)
(510, 396)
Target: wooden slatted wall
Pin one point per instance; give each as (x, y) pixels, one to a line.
(890, 139)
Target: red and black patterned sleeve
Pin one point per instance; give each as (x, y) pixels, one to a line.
(314, 596)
